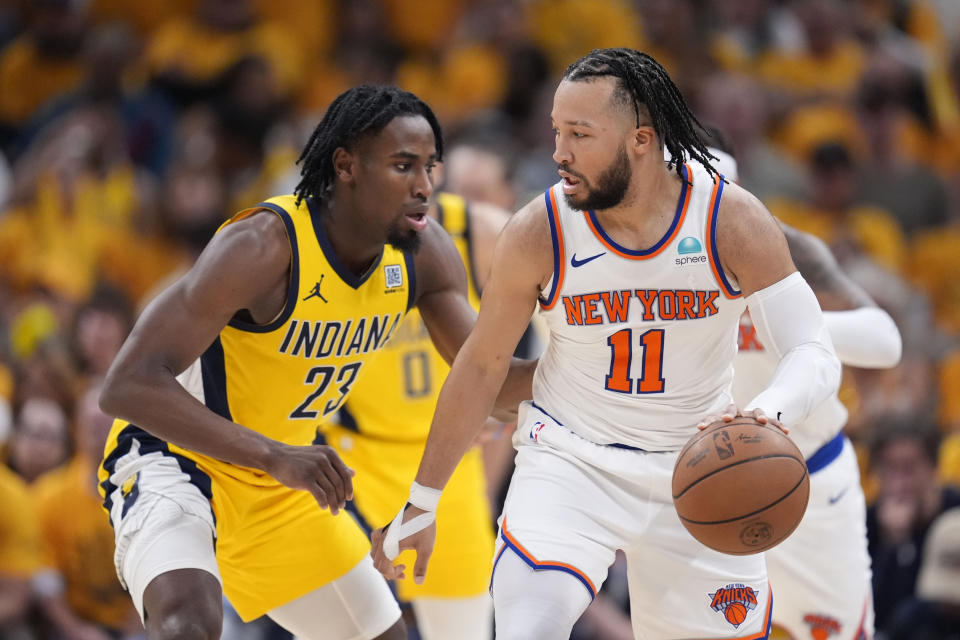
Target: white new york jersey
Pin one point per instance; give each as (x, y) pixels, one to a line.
(754, 366)
(641, 342)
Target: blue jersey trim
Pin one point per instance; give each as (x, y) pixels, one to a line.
(341, 270)
(713, 242)
(467, 239)
(412, 277)
(826, 454)
(148, 444)
(678, 214)
(293, 287)
(557, 258)
(214, 373)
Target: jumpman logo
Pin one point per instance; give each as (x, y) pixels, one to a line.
(315, 292)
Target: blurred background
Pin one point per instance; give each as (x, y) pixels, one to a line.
(130, 130)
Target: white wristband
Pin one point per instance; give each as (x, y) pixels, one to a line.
(425, 498)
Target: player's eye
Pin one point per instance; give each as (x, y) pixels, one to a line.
(430, 167)
(403, 166)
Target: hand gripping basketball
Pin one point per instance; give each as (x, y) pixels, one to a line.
(400, 535)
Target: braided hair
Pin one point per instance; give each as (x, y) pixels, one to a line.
(363, 110)
(642, 81)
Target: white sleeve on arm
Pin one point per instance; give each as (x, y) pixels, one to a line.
(866, 337)
(790, 325)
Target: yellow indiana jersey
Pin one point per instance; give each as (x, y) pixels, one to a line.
(397, 395)
(283, 378)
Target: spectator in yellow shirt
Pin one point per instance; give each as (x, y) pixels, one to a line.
(188, 55)
(18, 549)
(78, 588)
(40, 440)
(835, 216)
(42, 63)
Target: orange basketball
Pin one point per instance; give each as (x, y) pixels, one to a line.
(740, 487)
(735, 613)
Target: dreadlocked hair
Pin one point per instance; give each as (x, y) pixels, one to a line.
(363, 110)
(642, 81)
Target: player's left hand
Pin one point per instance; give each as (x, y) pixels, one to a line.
(421, 541)
(732, 412)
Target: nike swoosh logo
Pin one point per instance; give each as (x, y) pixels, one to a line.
(836, 498)
(579, 263)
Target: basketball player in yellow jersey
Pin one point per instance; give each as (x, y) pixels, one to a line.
(227, 373)
(387, 417)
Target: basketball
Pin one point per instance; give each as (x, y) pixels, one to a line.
(740, 487)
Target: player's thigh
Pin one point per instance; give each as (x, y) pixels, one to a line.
(164, 524)
(562, 514)
(681, 589)
(821, 573)
(356, 606)
(463, 618)
(532, 603)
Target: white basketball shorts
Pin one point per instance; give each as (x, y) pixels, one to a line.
(572, 503)
(821, 573)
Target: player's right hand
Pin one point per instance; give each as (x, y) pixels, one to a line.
(732, 412)
(421, 541)
(317, 469)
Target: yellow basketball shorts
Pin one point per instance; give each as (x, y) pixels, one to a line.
(273, 544)
(463, 554)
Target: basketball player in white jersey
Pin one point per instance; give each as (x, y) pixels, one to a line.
(642, 270)
(821, 573)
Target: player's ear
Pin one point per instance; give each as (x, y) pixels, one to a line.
(644, 139)
(344, 163)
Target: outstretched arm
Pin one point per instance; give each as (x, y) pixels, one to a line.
(784, 309)
(863, 334)
(522, 261)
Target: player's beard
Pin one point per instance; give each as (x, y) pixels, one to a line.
(611, 186)
(406, 240)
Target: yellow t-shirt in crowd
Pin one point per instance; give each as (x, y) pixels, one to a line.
(19, 534)
(78, 543)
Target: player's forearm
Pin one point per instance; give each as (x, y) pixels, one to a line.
(866, 337)
(805, 377)
(791, 325)
(465, 402)
(161, 406)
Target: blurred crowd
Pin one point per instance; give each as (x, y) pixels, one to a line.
(130, 130)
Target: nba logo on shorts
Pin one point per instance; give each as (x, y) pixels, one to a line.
(734, 601)
(535, 431)
(393, 275)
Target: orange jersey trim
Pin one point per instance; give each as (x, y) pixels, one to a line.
(530, 559)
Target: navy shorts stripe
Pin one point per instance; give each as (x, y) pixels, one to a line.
(148, 444)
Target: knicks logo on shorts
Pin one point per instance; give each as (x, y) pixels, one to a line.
(822, 627)
(734, 601)
(535, 431)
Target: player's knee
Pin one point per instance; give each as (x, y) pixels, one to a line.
(190, 612)
(185, 625)
(396, 632)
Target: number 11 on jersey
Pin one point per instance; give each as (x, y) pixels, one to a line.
(621, 359)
